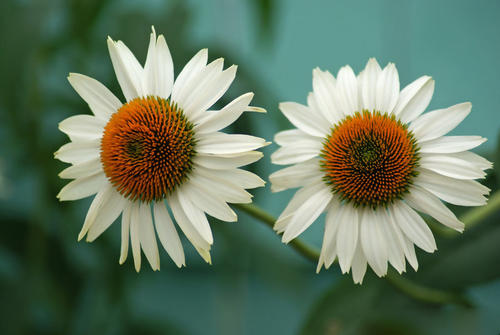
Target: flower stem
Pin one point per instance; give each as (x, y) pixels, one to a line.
(406, 286)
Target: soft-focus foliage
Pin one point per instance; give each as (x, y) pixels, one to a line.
(51, 284)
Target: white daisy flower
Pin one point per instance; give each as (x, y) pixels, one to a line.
(364, 153)
(161, 147)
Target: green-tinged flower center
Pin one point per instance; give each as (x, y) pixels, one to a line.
(370, 159)
(147, 148)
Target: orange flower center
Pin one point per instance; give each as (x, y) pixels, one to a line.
(370, 159)
(147, 148)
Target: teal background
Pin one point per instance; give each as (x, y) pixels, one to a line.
(51, 284)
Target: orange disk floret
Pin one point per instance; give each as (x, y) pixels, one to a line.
(147, 148)
(370, 159)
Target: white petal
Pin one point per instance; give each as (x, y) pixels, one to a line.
(455, 191)
(358, 265)
(135, 227)
(100, 197)
(221, 143)
(125, 234)
(301, 151)
(373, 241)
(414, 99)
(217, 120)
(210, 93)
(82, 187)
(413, 226)
(225, 162)
(106, 214)
(451, 144)
(439, 122)
(242, 178)
(127, 69)
(147, 236)
(305, 119)
(451, 165)
(347, 91)
(81, 170)
(347, 236)
(297, 200)
(221, 187)
(387, 89)
(404, 243)
(291, 136)
(295, 176)
(164, 68)
(196, 216)
(78, 152)
(368, 84)
(307, 213)
(101, 101)
(478, 161)
(323, 96)
(328, 248)
(393, 237)
(84, 127)
(209, 203)
(428, 203)
(194, 86)
(190, 70)
(168, 235)
(187, 227)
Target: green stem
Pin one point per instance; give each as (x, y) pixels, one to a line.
(412, 289)
(302, 248)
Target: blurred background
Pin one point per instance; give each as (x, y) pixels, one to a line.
(51, 284)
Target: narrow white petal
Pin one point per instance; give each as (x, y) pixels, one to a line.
(292, 136)
(358, 265)
(480, 162)
(78, 152)
(368, 84)
(305, 119)
(135, 226)
(101, 101)
(373, 241)
(82, 187)
(125, 233)
(410, 253)
(164, 68)
(347, 235)
(328, 248)
(221, 187)
(387, 90)
(84, 127)
(428, 203)
(106, 214)
(450, 144)
(168, 235)
(147, 236)
(230, 161)
(295, 176)
(196, 216)
(394, 247)
(210, 93)
(413, 226)
(221, 143)
(242, 178)
(149, 78)
(209, 203)
(451, 165)
(187, 227)
(190, 70)
(455, 191)
(216, 120)
(127, 69)
(300, 152)
(307, 213)
(323, 97)
(404, 243)
(439, 122)
(414, 99)
(297, 200)
(81, 170)
(347, 91)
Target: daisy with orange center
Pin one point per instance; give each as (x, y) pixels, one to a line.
(365, 153)
(162, 149)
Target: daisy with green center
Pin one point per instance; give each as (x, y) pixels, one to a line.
(160, 149)
(365, 153)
